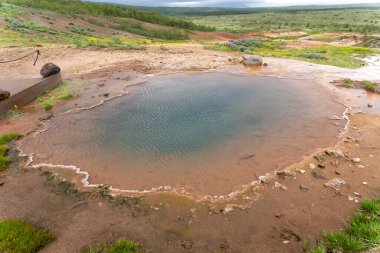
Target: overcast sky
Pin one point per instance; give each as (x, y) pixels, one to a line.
(232, 3)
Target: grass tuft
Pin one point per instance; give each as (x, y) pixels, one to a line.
(362, 232)
(17, 236)
(121, 246)
(4, 139)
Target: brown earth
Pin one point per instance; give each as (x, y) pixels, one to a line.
(265, 218)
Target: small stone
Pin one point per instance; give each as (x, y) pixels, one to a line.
(320, 158)
(302, 171)
(303, 188)
(355, 160)
(2, 183)
(322, 166)
(265, 64)
(334, 153)
(335, 163)
(319, 174)
(336, 184)
(4, 94)
(286, 242)
(187, 244)
(338, 173)
(312, 166)
(281, 186)
(370, 105)
(361, 166)
(365, 183)
(263, 179)
(286, 173)
(371, 156)
(167, 188)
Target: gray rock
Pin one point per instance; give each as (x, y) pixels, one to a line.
(334, 153)
(355, 160)
(320, 158)
(312, 166)
(252, 60)
(49, 69)
(187, 244)
(4, 94)
(303, 188)
(336, 184)
(319, 174)
(286, 173)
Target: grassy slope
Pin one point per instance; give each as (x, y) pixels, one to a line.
(77, 7)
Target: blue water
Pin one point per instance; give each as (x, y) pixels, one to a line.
(205, 132)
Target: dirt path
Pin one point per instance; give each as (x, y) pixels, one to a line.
(271, 217)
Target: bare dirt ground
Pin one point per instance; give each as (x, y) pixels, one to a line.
(276, 216)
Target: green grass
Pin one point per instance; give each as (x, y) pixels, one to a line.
(361, 233)
(137, 28)
(369, 86)
(346, 20)
(348, 81)
(97, 23)
(4, 140)
(340, 56)
(49, 98)
(17, 236)
(121, 246)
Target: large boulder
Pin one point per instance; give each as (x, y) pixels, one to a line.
(252, 60)
(4, 94)
(49, 69)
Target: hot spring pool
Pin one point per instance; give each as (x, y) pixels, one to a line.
(208, 133)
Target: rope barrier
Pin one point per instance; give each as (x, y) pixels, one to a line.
(37, 52)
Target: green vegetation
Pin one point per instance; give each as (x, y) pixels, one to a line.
(348, 81)
(72, 7)
(362, 232)
(97, 23)
(17, 236)
(137, 28)
(50, 97)
(4, 140)
(341, 56)
(365, 21)
(121, 246)
(369, 86)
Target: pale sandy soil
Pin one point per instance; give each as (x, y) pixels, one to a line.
(259, 220)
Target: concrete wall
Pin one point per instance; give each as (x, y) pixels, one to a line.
(29, 94)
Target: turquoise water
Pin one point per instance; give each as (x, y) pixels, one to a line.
(205, 132)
